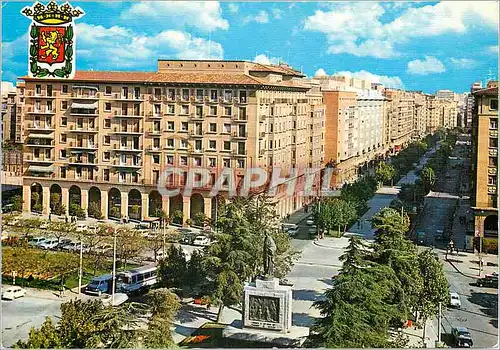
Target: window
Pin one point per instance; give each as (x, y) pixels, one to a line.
(170, 126)
(183, 160)
(227, 128)
(212, 127)
(170, 109)
(226, 162)
(184, 126)
(493, 124)
(494, 104)
(170, 143)
(107, 123)
(169, 159)
(212, 162)
(38, 89)
(241, 163)
(156, 143)
(213, 110)
(228, 95)
(107, 90)
(492, 180)
(78, 172)
(64, 105)
(199, 94)
(185, 94)
(64, 121)
(107, 139)
(243, 113)
(227, 110)
(493, 161)
(197, 161)
(197, 145)
(49, 106)
(63, 172)
(65, 89)
(157, 109)
(79, 123)
(171, 94)
(124, 92)
(184, 109)
(212, 144)
(63, 138)
(243, 96)
(37, 105)
(62, 154)
(107, 106)
(184, 144)
(213, 95)
(493, 142)
(227, 145)
(137, 93)
(156, 159)
(105, 156)
(123, 177)
(271, 127)
(199, 111)
(106, 174)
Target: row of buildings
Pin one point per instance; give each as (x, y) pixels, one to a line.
(103, 139)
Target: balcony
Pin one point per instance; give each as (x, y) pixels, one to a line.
(154, 115)
(493, 133)
(128, 97)
(33, 142)
(197, 99)
(127, 131)
(492, 170)
(83, 146)
(152, 149)
(30, 158)
(240, 100)
(31, 110)
(493, 152)
(82, 162)
(211, 100)
(120, 114)
(126, 148)
(192, 134)
(238, 154)
(154, 132)
(77, 96)
(76, 129)
(240, 135)
(87, 113)
(40, 126)
(492, 189)
(194, 116)
(155, 98)
(128, 164)
(42, 94)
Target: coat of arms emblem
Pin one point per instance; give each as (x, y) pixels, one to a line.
(52, 40)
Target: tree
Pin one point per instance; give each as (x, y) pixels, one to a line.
(129, 244)
(177, 217)
(199, 219)
(173, 268)
(115, 212)
(334, 214)
(390, 225)
(385, 173)
(56, 206)
(155, 242)
(196, 271)
(95, 211)
(61, 229)
(164, 306)
(17, 203)
(76, 210)
(47, 337)
(435, 287)
(36, 202)
(428, 178)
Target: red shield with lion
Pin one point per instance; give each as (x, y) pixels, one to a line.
(51, 44)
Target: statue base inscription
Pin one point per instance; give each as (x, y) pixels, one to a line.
(267, 305)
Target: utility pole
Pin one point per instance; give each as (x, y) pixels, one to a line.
(480, 254)
(114, 270)
(80, 271)
(439, 323)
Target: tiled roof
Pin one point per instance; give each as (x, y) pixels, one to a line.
(199, 78)
(259, 67)
(488, 91)
(107, 76)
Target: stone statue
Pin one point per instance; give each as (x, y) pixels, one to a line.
(269, 254)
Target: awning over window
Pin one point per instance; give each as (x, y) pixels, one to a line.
(41, 169)
(41, 136)
(85, 87)
(84, 105)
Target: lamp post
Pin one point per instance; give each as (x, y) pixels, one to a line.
(80, 271)
(113, 282)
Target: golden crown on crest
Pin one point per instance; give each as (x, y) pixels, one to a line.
(52, 13)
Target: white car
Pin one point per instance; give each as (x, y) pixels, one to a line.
(455, 300)
(72, 246)
(310, 222)
(35, 242)
(201, 241)
(293, 231)
(13, 292)
(50, 243)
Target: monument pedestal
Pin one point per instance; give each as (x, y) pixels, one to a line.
(267, 305)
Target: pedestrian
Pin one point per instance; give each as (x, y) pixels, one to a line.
(50, 216)
(359, 223)
(288, 217)
(66, 218)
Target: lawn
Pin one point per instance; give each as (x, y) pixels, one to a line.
(43, 268)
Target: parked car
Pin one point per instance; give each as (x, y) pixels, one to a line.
(310, 222)
(421, 237)
(201, 241)
(50, 243)
(71, 246)
(36, 241)
(488, 281)
(286, 226)
(293, 231)
(141, 227)
(99, 285)
(62, 243)
(13, 292)
(455, 300)
(461, 337)
(439, 235)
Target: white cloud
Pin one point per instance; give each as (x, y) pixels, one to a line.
(493, 49)
(429, 65)
(276, 13)
(233, 8)
(205, 15)
(320, 73)
(357, 28)
(261, 58)
(464, 63)
(387, 81)
(124, 48)
(261, 17)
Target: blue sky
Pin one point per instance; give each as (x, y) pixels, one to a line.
(418, 46)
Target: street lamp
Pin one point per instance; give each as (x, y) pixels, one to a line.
(114, 268)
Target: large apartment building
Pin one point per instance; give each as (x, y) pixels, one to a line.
(106, 137)
(485, 161)
(398, 118)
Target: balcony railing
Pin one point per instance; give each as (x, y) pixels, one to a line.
(41, 158)
(76, 95)
(42, 126)
(131, 96)
(237, 118)
(240, 135)
(152, 149)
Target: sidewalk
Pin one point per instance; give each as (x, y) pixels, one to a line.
(415, 335)
(467, 264)
(299, 216)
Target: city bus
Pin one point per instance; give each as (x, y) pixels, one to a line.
(137, 280)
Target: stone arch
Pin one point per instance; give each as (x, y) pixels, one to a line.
(175, 205)
(36, 198)
(94, 202)
(197, 205)
(134, 204)
(55, 201)
(155, 203)
(114, 201)
(491, 226)
(75, 195)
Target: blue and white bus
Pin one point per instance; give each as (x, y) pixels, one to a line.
(138, 279)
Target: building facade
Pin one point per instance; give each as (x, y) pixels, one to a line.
(104, 139)
(399, 116)
(485, 162)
